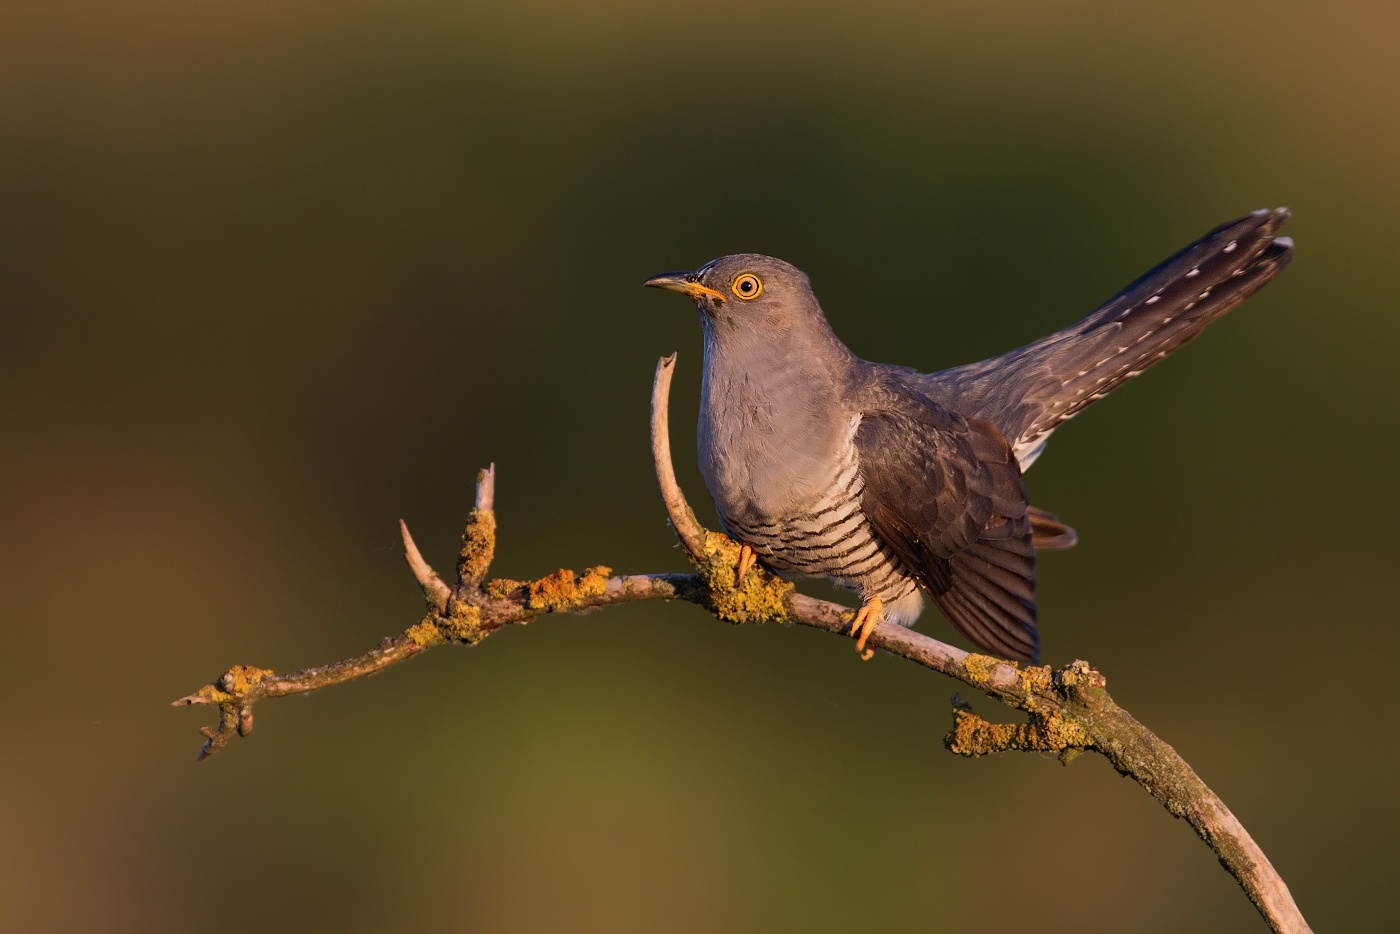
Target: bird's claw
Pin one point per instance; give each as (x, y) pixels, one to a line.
(867, 618)
(747, 559)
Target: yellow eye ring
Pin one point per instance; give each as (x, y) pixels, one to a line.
(747, 286)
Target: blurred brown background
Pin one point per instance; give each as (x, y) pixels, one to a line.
(273, 276)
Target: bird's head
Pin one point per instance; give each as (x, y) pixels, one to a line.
(746, 292)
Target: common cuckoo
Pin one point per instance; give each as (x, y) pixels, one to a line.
(895, 483)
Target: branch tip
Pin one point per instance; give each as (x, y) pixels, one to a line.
(486, 489)
(688, 528)
(434, 590)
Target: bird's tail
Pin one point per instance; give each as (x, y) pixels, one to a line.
(1027, 392)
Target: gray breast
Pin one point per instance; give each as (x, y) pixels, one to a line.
(778, 454)
(820, 531)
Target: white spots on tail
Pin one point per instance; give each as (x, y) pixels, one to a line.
(1030, 447)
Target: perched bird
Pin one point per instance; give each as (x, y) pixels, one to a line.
(895, 483)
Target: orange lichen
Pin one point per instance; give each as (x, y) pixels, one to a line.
(563, 590)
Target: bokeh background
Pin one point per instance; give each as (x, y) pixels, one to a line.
(273, 276)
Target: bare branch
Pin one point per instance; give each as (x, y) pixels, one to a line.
(486, 489)
(434, 590)
(688, 528)
(1069, 709)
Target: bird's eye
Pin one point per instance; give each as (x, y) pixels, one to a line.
(747, 286)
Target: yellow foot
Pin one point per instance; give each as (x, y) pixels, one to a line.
(747, 559)
(867, 618)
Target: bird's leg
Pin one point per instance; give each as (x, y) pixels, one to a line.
(747, 558)
(867, 618)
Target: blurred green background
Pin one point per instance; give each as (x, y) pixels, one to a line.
(273, 276)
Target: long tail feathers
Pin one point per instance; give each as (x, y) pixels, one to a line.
(1028, 392)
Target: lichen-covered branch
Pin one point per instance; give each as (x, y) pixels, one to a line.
(1069, 709)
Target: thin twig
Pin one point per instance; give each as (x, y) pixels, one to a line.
(434, 590)
(1070, 709)
(688, 528)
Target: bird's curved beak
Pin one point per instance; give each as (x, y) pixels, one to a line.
(687, 283)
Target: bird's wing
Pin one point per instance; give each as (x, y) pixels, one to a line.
(944, 493)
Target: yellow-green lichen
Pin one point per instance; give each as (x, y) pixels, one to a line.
(478, 545)
(1052, 732)
(1080, 682)
(213, 694)
(1036, 679)
(1034, 682)
(462, 623)
(240, 679)
(759, 598)
(979, 669)
(499, 588)
(563, 590)
(1056, 732)
(425, 632)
